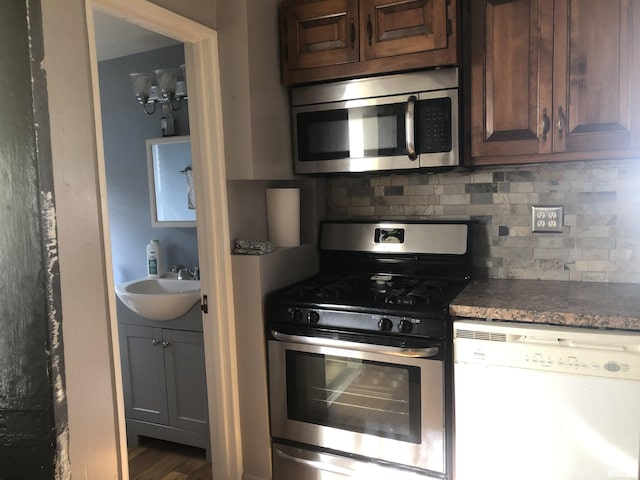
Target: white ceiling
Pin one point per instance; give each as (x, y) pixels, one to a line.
(117, 38)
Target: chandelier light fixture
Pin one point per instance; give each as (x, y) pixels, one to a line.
(167, 89)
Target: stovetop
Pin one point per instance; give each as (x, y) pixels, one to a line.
(383, 292)
(391, 278)
(384, 303)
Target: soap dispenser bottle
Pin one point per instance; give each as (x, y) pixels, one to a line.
(155, 265)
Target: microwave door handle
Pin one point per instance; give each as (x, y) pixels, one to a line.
(410, 127)
(362, 347)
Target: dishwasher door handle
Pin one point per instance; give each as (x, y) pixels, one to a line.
(538, 340)
(426, 352)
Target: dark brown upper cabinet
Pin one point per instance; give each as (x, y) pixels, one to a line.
(330, 39)
(320, 34)
(554, 80)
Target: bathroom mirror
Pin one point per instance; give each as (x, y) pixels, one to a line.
(171, 182)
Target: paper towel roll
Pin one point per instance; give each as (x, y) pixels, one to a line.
(283, 216)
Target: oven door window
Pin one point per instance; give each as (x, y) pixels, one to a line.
(358, 132)
(358, 395)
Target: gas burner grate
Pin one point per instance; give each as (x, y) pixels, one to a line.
(424, 293)
(376, 289)
(329, 292)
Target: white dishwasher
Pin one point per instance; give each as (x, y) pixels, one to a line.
(537, 402)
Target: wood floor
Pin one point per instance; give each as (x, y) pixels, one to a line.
(158, 460)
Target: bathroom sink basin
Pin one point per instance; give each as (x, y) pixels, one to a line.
(159, 298)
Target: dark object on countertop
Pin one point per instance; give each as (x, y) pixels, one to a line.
(253, 247)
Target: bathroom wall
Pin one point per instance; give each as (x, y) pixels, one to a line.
(125, 129)
(600, 240)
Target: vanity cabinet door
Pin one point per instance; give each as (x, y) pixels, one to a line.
(143, 375)
(186, 380)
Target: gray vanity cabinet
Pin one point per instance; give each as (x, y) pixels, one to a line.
(143, 374)
(164, 385)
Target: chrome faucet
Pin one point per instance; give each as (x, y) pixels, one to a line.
(186, 273)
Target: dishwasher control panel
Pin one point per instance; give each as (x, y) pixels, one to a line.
(574, 363)
(612, 354)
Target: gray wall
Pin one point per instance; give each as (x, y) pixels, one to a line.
(601, 237)
(125, 129)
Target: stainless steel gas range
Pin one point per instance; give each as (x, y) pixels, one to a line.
(360, 360)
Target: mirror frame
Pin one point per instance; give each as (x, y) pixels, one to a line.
(155, 222)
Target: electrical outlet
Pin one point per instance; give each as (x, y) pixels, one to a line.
(547, 219)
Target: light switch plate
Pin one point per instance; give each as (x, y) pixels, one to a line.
(547, 219)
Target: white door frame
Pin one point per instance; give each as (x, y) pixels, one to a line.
(201, 55)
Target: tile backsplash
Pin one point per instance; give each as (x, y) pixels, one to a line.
(600, 241)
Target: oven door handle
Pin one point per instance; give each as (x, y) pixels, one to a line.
(327, 467)
(362, 347)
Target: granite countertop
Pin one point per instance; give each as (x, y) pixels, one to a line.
(578, 304)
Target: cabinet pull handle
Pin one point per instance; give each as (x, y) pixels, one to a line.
(562, 120)
(165, 344)
(369, 29)
(409, 127)
(546, 124)
(155, 342)
(352, 34)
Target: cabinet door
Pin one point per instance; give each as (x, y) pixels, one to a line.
(595, 74)
(319, 33)
(398, 27)
(143, 374)
(186, 380)
(511, 77)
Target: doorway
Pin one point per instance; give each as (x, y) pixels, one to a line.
(200, 51)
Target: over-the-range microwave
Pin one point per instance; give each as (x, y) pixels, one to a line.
(391, 122)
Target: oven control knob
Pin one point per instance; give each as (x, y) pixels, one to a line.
(385, 325)
(313, 317)
(296, 315)
(404, 326)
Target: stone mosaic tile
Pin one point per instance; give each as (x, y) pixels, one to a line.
(481, 198)
(600, 241)
(480, 188)
(419, 190)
